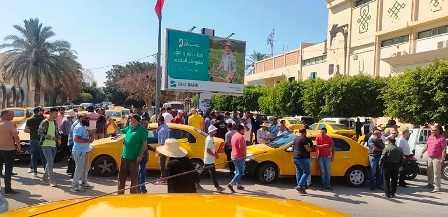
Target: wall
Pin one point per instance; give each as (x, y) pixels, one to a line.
(339, 15)
(430, 10)
(396, 14)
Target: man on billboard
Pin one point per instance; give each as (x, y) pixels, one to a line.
(228, 63)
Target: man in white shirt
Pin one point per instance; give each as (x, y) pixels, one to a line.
(210, 156)
(167, 116)
(403, 144)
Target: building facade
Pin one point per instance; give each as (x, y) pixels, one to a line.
(375, 37)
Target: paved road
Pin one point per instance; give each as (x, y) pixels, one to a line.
(413, 201)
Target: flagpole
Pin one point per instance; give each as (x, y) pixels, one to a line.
(159, 69)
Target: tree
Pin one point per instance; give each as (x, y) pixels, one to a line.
(253, 59)
(350, 96)
(419, 96)
(314, 97)
(31, 57)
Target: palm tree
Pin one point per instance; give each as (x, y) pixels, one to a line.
(253, 58)
(33, 58)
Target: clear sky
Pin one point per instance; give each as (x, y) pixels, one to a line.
(105, 32)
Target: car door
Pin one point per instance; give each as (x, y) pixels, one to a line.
(196, 150)
(153, 160)
(418, 142)
(342, 157)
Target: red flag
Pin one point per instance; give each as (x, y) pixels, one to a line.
(158, 8)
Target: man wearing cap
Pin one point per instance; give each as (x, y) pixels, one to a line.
(134, 147)
(263, 135)
(64, 130)
(210, 156)
(31, 127)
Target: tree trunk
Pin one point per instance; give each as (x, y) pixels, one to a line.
(37, 93)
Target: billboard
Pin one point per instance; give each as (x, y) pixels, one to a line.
(197, 63)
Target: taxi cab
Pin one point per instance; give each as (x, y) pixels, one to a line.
(173, 205)
(105, 156)
(119, 114)
(267, 162)
(293, 123)
(20, 114)
(332, 128)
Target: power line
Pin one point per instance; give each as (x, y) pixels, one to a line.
(108, 66)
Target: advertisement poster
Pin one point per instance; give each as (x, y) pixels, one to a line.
(196, 62)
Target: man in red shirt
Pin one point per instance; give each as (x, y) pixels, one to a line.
(325, 153)
(238, 157)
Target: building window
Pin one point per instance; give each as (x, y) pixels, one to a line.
(315, 60)
(357, 3)
(313, 75)
(291, 79)
(433, 32)
(394, 41)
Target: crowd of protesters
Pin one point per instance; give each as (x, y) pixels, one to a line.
(72, 132)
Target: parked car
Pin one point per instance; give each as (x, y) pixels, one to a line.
(417, 141)
(105, 156)
(20, 114)
(267, 162)
(293, 123)
(174, 205)
(349, 123)
(332, 128)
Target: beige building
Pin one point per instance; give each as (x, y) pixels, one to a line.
(375, 37)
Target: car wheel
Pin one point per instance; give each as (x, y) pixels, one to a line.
(267, 173)
(445, 171)
(356, 176)
(104, 166)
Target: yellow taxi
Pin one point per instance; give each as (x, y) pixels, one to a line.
(105, 156)
(293, 123)
(173, 205)
(267, 162)
(119, 114)
(20, 114)
(332, 128)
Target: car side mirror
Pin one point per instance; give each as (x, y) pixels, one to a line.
(290, 149)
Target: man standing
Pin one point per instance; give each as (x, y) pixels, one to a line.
(179, 119)
(142, 163)
(263, 135)
(71, 143)
(228, 145)
(163, 133)
(81, 147)
(403, 144)
(220, 124)
(167, 115)
(32, 127)
(238, 158)
(302, 148)
(49, 135)
(436, 150)
(64, 130)
(134, 146)
(9, 144)
(210, 156)
(376, 146)
(390, 162)
(325, 152)
(195, 120)
(274, 127)
(101, 124)
(358, 126)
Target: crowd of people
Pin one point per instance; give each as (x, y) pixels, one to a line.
(72, 132)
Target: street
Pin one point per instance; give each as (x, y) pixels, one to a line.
(413, 201)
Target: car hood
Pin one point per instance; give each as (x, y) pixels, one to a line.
(106, 141)
(258, 149)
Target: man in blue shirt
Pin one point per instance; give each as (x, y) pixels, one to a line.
(81, 147)
(163, 133)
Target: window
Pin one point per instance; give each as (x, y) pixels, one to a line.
(181, 134)
(341, 145)
(433, 32)
(313, 75)
(321, 126)
(315, 60)
(313, 126)
(394, 41)
(152, 137)
(357, 3)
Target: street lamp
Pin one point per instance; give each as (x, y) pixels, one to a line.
(192, 28)
(231, 34)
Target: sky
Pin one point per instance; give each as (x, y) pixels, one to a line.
(107, 32)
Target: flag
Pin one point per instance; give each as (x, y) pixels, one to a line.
(158, 8)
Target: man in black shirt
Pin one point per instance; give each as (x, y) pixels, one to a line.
(31, 127)
(302, 147)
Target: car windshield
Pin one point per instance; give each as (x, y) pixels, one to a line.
(19, 113)
(338, 126)
(113, 114)
(282, 140)
(294, 121)
(126, 112)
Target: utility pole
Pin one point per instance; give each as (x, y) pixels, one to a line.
(159, 68)
(270, 41)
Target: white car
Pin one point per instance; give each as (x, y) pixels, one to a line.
(417, 141)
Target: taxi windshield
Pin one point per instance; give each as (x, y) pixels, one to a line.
(282, 140)
(294, 121)
(338, 126)
(19, 113)
(113, 114)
